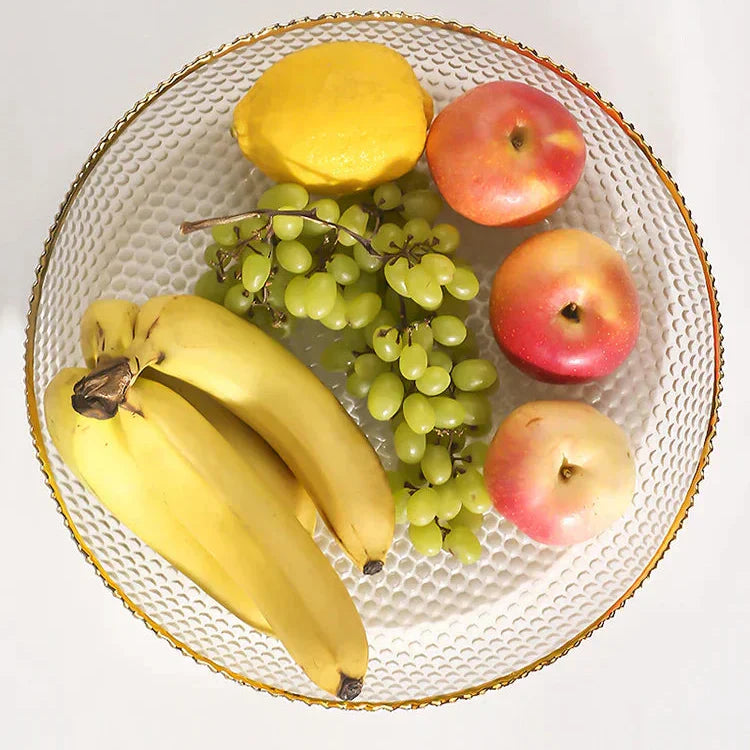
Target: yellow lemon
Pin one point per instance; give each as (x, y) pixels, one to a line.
(335, 117)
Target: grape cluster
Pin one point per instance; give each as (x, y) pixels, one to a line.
(377, 267)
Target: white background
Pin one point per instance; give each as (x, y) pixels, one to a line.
(671, 670)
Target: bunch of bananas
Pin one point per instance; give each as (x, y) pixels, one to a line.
(175, 456)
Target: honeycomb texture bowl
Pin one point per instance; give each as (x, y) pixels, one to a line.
(437, 630)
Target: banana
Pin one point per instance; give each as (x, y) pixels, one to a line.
(177, 483)
(107, 328)
(262, 383)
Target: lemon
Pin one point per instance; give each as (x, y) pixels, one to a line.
(335, 117)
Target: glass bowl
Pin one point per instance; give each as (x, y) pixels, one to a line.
(438, 631)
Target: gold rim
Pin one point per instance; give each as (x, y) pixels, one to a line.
(127, 118)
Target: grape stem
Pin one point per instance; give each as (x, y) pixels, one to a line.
(188, 227)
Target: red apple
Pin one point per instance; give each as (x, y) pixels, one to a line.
(564, 308)
(560, 470)
(505, 154)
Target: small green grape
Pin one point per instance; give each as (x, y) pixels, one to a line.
(449, 501)
(437, 464)
(384, 319)
(412, 362)
(477, 452)
(424, 288)
(385, 396)
(395, 274)
(209, 287)
(362, 309)
(448, 330)
(474, 495)
(354, 339)
(387, 343)
(336, 319)
(421, 334)
(224, 234)
(252, 226)
(462, 542)
(284, 194)
(238, 300)
(419, 414)
(320, 295)
(464, 284)
(387, 196)
(354, 219)
(287, 227)
(400, 501)
(293, 256)
(438, 358)
(425, 204)
(414, 180)
(449, 413)
(417, 231)
(366, 261)
(474, 374)
(447, 237)
(409, 445)
(477, 409)
(427, 540)
(396, 479)
(422, 506)
(388, 239)
(255, 272)
(343, 268)
(369, 366)
(337, 357)
(211, 255)
(295, 296)
(326, 209)
(467, 519)
(357, 386)
(433, 381)
(439, 266)
(277, 287)
(366, 282)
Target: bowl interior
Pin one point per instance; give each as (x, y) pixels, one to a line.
(434, 626)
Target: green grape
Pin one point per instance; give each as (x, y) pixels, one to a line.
(449, 501)
(354, 339)
(362, 309)
(287, 227)
(424, 288)
(418, 413)
(366, 261)
(400, 501)
(413, 361)
(337, 357)
(468, 349)
(384, 319)
(421, 334)
(396, 479)
(477, 452)
(251, 226)
(427, 540)
(284, 194)
(438, 358)
(387, 196)
(353, 218)
(395, 274)
(449, 413)
(452, 306)
(388, 239)
(394, 303)
(357, 386)
(417, 230)
(385, 396)
(437, 464)
(369, 366)
(295, 297)
(326, 209)
(424, 204)
(293, 256)
(474, 495)
(481, 430)
(211, 255)
(474, 374)
(412, 473)
(439, 266)
(320, 295)
(409, 445)
(238, 300)
(464, 284)
(224, 234)
(209, 287)
(477, 409)
(261, 317)
(414, 180)
(336, 319)
(466, 519)
(259, 247)
(387, 343)
(448, 330)
(422, 506)
(447, 237)
(343, 268)
(255, 272)
(277, 287)
(463, 544)
(434, 380)
(366, 282)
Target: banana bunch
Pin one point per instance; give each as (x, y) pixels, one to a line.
(203, 489)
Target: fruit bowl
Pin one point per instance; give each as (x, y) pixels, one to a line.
(437, 631)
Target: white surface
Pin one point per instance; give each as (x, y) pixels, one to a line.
(670, 670)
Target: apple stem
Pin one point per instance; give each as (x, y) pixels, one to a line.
(572, 312)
